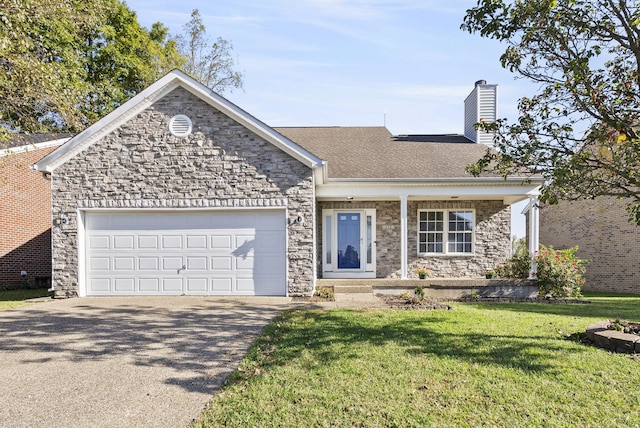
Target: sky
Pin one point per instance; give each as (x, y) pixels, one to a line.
(405, 64)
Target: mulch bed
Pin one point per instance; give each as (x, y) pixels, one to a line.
(399, 302)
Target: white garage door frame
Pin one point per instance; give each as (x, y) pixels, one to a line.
(82, 234)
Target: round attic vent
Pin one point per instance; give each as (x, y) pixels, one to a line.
(180, 125)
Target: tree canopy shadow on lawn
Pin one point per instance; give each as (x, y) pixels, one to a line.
(335, 335)
(199, 342)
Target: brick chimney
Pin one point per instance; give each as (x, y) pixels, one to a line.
(481, 104)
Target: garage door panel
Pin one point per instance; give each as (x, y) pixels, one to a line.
(123, 242)
(100, 263)
(197, 285)
(221, 263)
(123, 263)
(269, 286)
(222, 285)
(186, 252)
(172, 264)
(100, 285)
(148, 242)
(221, 242)
(172, 285)
(269, 241)
(196, 242)
(124, 285)
(149, 263)
(245, 285)
(245, 263)
(197, 263)
(172, 242)
(100, 242)
(270, 263)
(149, 285)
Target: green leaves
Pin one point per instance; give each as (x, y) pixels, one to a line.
(585, 56)
(64, 64)
(211, 63)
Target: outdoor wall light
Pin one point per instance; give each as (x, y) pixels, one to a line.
(298, 220)
(23, 273)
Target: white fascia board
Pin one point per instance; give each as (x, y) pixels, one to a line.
(32, 147)
(510, 192)
(436, 180)
(153, 93)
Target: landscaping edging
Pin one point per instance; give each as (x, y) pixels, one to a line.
(613, 340)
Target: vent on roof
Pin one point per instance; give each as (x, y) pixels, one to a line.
(180, 125)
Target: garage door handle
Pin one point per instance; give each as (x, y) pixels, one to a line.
(184, 267)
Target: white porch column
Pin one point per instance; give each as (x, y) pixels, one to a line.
(403, 236)
(534, 234)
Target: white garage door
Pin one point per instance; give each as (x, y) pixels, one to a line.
(182, 252)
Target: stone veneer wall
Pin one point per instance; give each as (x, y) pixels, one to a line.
(221, 164)
(492, 237)
(387, 233)
(603, 234)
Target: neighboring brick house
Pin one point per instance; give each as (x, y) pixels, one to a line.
(604, 235)
(179, 191)
(25, 211)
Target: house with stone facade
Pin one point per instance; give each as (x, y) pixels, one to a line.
(25, 210)
(179, 191)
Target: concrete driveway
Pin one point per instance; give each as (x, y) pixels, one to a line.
(122, 362)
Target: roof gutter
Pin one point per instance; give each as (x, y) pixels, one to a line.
(440, 180)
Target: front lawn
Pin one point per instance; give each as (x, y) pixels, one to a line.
(15, 298)
(481, 364)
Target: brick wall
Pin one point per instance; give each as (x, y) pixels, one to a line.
(221, 164)
(25, 219)
(601, 230)
(492, 237)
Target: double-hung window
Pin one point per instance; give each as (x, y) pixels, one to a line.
(445, 231)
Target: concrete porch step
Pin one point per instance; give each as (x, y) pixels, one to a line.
(344, 286)
(360, 289)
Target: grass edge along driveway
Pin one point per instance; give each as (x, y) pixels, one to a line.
(11, 299)
(481, 364)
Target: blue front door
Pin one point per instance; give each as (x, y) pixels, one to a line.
(349, 241)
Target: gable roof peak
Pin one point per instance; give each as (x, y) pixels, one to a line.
(163, 86)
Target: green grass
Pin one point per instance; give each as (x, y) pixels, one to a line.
(16, 298)
(481, 364)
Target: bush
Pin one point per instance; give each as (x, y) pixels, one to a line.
(518, 265)
(559, 272)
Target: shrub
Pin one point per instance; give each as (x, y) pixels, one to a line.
(324, 293)
(559, 272)
(518, 265)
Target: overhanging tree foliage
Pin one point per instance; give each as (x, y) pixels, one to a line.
(211, 63)
(64, 64)
(582, 129)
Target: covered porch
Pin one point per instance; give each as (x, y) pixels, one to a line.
(373, 230)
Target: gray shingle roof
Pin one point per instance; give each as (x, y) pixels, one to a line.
(18, 140)
(373, 152)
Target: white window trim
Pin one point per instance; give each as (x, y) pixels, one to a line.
(445, 232)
